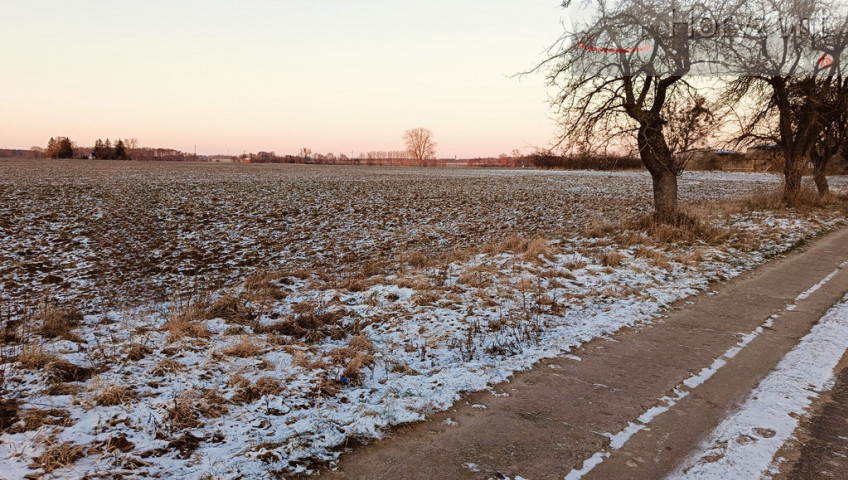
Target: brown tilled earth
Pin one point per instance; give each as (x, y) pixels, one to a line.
(96, 231)
(555, 416)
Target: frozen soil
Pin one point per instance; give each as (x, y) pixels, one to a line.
(95, 232)
(247, 321)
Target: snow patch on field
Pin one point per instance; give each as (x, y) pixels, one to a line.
(484, 320)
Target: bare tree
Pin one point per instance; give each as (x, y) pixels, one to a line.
(833, 141)
(615, 77)
(796, 89)
(305, 153)
(793, 114)
(132, 147)
(420, 144)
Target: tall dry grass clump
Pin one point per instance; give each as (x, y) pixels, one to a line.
(184, 321)
(112, 395)
(262, 287)
(770, 200)
(182, 412)
(684, 227)
(358, 354)
(612, 259)
(245, 348)
(59, 456)
(537, 248)
(58, 322)
(264, 386)
(657, 257)
(33, 357)
(599, 229)
(232, 309)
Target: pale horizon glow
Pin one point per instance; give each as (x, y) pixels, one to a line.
(330, 75)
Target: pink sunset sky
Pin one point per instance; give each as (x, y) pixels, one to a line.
(334, 76)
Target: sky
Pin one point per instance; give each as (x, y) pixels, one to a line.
(330, 75)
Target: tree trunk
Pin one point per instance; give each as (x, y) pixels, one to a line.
(665, 195)
(793, 171)
(820, 174)
(821, 182)
(656, 156)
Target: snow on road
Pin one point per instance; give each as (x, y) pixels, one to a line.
(745, 443)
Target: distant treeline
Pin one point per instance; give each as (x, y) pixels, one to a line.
(121, 149)
(128, 149)
(17, 153)
(386, 159)
(585, 162)
(381, 159)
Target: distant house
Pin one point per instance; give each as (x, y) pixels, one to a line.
(767, 156)
(716, 159)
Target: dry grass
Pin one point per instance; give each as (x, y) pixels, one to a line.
(263, 386)
(245, 348)
(767, 199)
(8, 413)
(182, 413)
(55, 457)
(575, 265)
(629, 238)
(311, 325)
(655, 256)
(34, 357)
(697, 223)
(273, 209)
(212, 405)
(808, 198)
(537, 248)
(479, 276)
(363, 344)
(304, 307)
(58, 389)
(599, 229)
(356, 283)
(262, 287)
(612, 259)
(183, 321)
(691, 258)
(59, 322)
(118, 443)
(685, 228)
(36, 418)
(166, 367)
(137, 351)
(416, 259)
(425, 298)
(232, 309)
(189, 408)
(515, 245)
(63, 371)
(238, 381)
(358, 354)
(116, 395)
